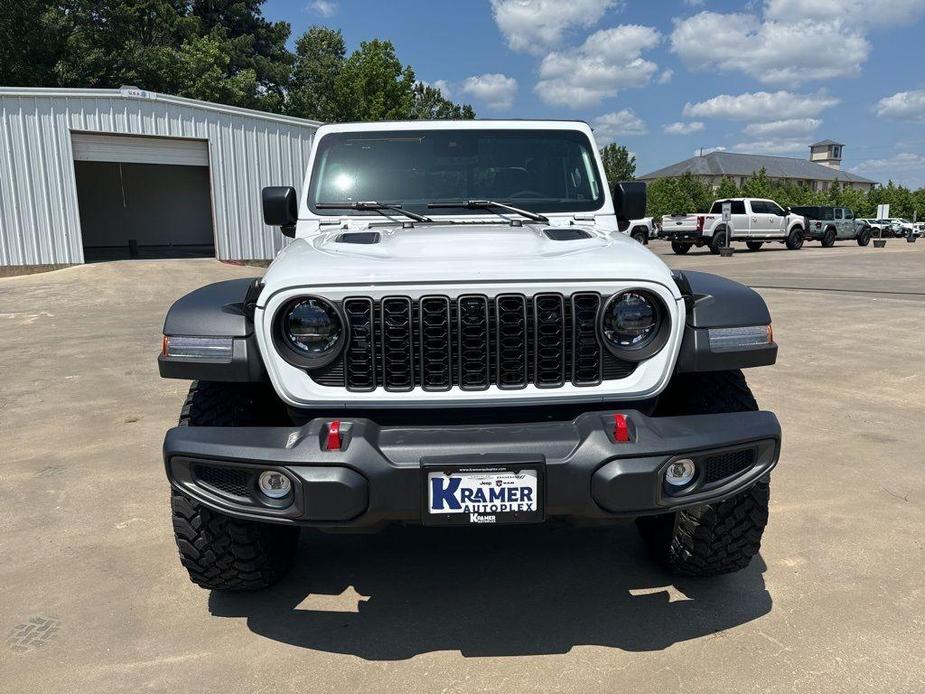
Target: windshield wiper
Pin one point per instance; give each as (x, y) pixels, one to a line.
(379, 207)
(488, 204)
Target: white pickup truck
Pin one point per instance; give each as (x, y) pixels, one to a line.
(754, 221)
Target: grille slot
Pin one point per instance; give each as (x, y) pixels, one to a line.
(436, 343)
(397, 344)
(474, 347)
(549, 339)
(586, 349)
(359, 357)
(511, 330)
(723, 465)
(474, 341)
(230, 481)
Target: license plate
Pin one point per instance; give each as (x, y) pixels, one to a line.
(483, 494)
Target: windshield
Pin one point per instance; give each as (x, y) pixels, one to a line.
(537, 170)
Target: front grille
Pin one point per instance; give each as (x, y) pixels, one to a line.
(473, 342)
(723, 465)
(228, 480)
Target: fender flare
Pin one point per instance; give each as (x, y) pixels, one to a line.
(222, 310)
(716, 302)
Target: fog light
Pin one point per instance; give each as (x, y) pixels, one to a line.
(274, 484)
(679, 472)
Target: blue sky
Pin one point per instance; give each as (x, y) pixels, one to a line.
(667, 77)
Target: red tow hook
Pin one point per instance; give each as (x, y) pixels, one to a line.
(621, 429)
(333, 439)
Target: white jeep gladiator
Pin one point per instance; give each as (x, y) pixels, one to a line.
(460, 334)
(754, 221)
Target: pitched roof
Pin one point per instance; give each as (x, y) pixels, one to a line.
(825, 143)
(735, 164)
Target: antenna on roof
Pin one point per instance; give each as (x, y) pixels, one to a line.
(701, 151)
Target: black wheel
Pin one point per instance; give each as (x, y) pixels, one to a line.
(754, 245)
(680, 248)
(795, 239)
(716, 538)
(220, 552)
(828, 239)
(864, 236)
(718, 241)
(641, 235)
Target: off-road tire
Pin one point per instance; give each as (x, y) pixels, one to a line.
(863, 237)
(680, 248)
(716, 538)
(223, 553)
(641, 235)
(828, 239)
(795, 239)
(754, 245)
(718, 241)
(220, 552)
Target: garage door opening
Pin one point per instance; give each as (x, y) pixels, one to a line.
(142, 197)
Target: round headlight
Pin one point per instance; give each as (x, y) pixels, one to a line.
(634, 325)
(312, 332)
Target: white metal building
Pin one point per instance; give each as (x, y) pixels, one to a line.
(97, 173)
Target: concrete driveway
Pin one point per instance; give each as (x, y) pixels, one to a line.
(93, 599)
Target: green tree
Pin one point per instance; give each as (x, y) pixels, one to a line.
(685, 194)
(319, 59)
(253, 45)
(373, 85)
(727, 189)
(619, 164)
(757, 185)
(203, 72)
(29, 44)
(428, 103)
(114, 42)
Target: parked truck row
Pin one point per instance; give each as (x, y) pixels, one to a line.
(756, 221)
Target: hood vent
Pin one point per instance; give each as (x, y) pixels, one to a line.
(361, 237)
(566, 234)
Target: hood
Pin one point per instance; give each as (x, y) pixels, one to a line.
(463, 253)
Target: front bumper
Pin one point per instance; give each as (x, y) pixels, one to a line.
(376, 478)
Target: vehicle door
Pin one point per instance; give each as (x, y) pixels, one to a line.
(771, 218)
(741, 221)
(846, 224)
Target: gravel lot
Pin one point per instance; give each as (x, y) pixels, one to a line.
(94, 600)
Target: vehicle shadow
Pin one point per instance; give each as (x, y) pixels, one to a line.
(499, 591)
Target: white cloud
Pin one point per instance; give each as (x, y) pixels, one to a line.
(787, 126)
(703, 151)
(535, 26)
(610, 126)
(906, 168)
(666, 76)
(768, 50)
(853, 12)
(326, 8)
(693, 3)
(904, 105)
(772, 146)
(444, 88)
(608, 60)
(495, 90)
(680, 128)
(761, 106)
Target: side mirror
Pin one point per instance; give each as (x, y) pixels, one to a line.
(281, 208)
(629, 200)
